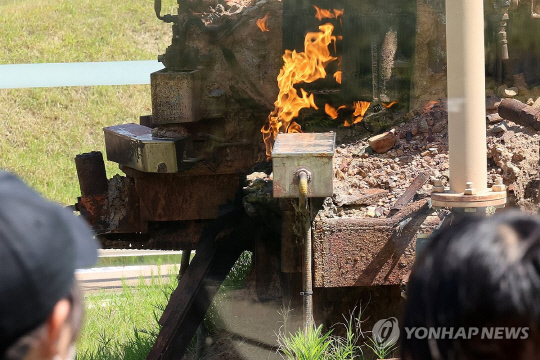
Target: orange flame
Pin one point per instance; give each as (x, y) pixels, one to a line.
(430, 105)
(360, 108)
(261, 23)
(298, 67)
(337, 76)
(327, 14)
(331, 111)
(389, 105)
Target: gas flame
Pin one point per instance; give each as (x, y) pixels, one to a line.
(331, 111)
(389, 105)
(261, 23)
(360, 108)
(430, 106)
(328, 14)
(337, 76)
(298, 67)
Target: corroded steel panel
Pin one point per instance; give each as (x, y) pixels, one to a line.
(366, 251)
(173, 197)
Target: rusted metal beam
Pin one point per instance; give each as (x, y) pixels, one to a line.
(408, 195)
(520, 113)
(218, 249)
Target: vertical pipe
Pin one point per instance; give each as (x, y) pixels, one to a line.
(308, 284)
(466, 94)
(91, 173)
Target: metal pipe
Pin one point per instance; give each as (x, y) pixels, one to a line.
(91, 173)
(303, 177)
(466, 92)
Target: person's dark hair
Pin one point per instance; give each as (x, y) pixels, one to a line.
(478, 272)
(20, 348)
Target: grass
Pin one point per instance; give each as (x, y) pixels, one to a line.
(43, 129)
(123, 325)
(318, 345)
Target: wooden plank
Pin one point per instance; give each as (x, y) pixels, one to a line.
(218, 249)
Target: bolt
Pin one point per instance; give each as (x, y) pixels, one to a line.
(437, 186)
(469, 189)
(499, 185)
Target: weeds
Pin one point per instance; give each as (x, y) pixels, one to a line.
(316, 345)
(380, 349)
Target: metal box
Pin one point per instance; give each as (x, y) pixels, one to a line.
(176, 96)
(132, 145)
(311, 151)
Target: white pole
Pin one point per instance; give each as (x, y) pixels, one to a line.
(466, 94)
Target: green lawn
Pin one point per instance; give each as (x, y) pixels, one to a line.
(43, 129)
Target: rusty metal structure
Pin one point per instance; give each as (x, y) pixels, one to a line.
(186, 163)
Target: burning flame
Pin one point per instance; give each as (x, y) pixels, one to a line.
(360, 108)
(298, 67)
(430, 105)
(389, 105)
(331, 111)
(261, 23)
(337, 76)
(328, 14)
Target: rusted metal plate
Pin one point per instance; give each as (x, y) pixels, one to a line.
(176, 96)
(310, 151)
(368, 252)
(174, 197)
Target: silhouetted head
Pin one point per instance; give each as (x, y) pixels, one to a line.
(477, 274)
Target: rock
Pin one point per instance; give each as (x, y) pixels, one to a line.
(400, 152)
(500, 128)
(536, 104)
(371, 212)
(423, 126)
(383, 142)
(494, 118)
(491, 102)
(439, 127)
(511, 92)
(408, 135)
(414, 129)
